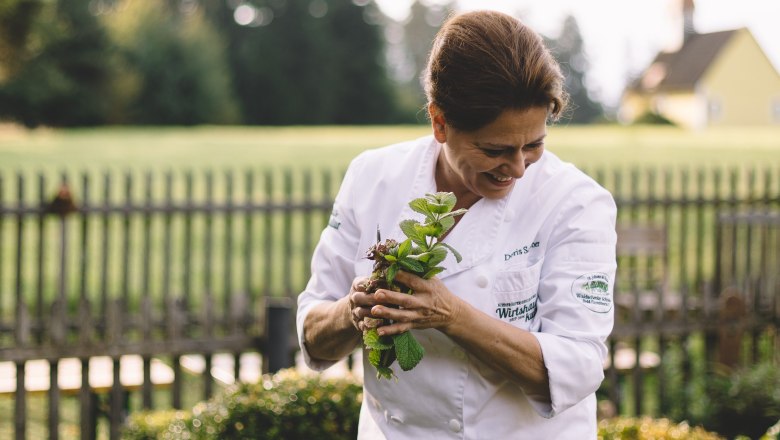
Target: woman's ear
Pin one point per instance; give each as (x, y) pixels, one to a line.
(438, 123)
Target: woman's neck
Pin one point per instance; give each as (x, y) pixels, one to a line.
(448, 181)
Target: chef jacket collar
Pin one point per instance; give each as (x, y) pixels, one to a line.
(475, 235)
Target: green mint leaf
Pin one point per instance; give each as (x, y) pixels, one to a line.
(390, 258)
(438, 208)
(428, 230)
(408, 351)
(384, 372)
(454, 252)
(408, 228)
(411, 265)
(372, 340)
(447, 223)
(433, 272)
(404, 248)
(454, 213)
(420, 205)
(374, 356)
(438, 254)
(446, 199)
(391, 271)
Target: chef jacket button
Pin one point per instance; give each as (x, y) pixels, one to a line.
(482, 280)
(509, 215)
(455, 425)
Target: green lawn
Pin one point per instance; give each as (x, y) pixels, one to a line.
(243, 147)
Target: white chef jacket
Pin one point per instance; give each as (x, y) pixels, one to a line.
(542, 258)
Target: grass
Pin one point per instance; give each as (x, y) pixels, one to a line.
(241, 147)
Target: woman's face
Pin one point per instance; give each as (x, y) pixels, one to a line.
(486, 162)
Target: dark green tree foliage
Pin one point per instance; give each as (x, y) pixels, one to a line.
(309, 62)
(63, 79)
(16, 22)
(171, 63)
(569, 50)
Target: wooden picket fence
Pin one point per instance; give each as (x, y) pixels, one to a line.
(103, 275)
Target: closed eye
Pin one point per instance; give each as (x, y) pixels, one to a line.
(533, 146)
(493, 153)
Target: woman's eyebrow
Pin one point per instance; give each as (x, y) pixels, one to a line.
(505, 146)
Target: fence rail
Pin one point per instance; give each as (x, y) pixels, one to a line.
(164, 266)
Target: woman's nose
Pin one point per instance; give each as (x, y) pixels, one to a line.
(516, 165)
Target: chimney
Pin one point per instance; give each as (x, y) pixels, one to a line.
(688, 29)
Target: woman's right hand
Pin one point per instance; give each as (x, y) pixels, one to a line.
(360, 303)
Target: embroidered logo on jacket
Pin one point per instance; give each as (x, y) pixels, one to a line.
(516, 310)
(592, 290)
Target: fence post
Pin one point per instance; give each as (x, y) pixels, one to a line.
(731, 327)
(279, 319)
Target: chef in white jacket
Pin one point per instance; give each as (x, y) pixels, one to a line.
(514, 334)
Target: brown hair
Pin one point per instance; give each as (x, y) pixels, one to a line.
(485, 62)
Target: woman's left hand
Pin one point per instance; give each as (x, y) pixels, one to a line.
(431, 306)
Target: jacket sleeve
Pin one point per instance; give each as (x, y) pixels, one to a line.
(575, 298)
(333, 260)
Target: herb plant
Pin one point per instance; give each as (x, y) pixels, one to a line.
(420, 253)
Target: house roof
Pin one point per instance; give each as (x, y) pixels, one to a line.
(684, 68)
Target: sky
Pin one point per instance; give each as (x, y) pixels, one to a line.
(623, 36)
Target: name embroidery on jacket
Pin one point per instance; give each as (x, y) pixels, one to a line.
(521, 251)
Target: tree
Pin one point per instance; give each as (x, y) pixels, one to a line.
(170, 68)
(419, 30)
(16, 22)
(60, 78)
(306, 62)
(569, 50)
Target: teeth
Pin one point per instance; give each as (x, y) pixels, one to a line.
(501, 179)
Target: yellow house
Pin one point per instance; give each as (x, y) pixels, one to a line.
(715, 79)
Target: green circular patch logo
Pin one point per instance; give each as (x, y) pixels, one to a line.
(592, 290)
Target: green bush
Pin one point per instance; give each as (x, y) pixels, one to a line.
(646, 428)
(745, 401)
(283, 406)
(153, 425)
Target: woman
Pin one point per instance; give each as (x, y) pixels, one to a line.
(514, 334)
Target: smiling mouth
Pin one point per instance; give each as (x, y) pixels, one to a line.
(499, 179)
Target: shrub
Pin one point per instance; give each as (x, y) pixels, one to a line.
(153, 425)
(744, 401)
(646, 428)
(283, 406)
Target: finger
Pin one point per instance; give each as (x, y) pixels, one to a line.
(395, 328)
(404, 300)
(393, 314)
(410, 280)
(359, 284)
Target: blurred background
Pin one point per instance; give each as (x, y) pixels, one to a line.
(167, 166)
(281, 62)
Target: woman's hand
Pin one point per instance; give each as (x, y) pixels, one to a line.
(360, 303)
(431, 306)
